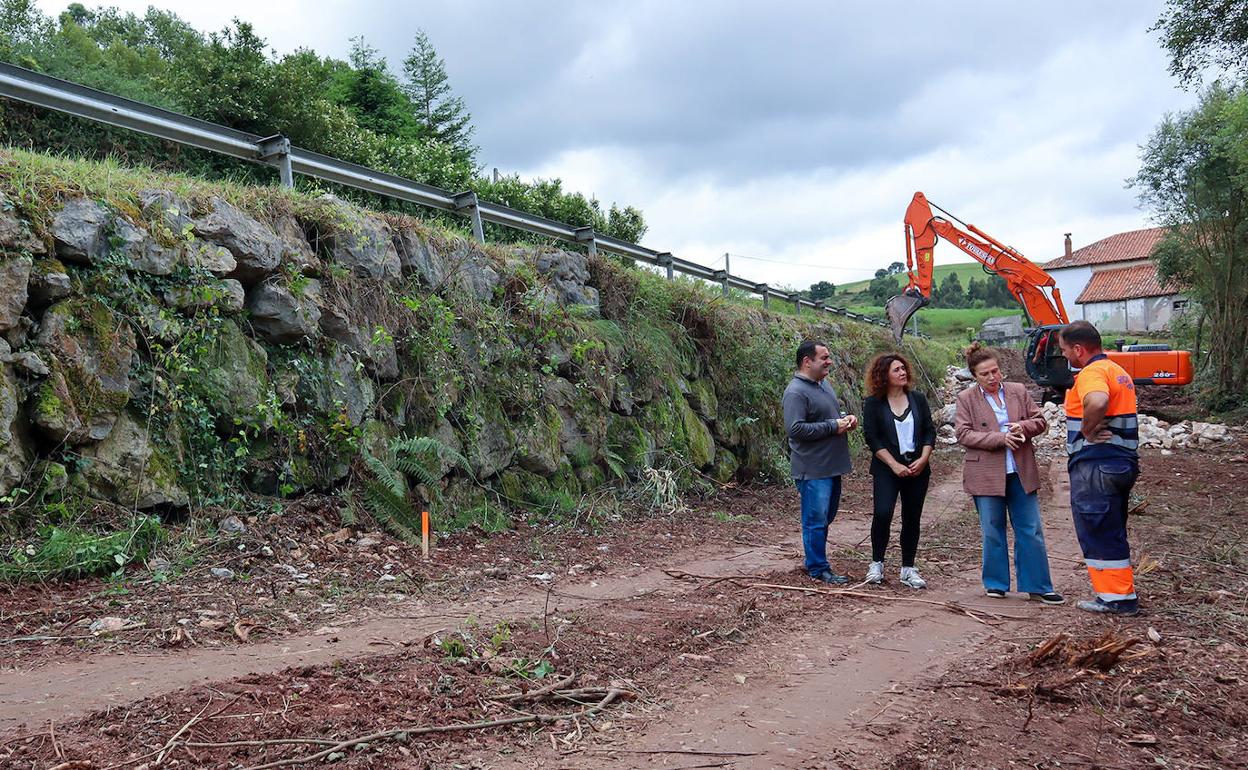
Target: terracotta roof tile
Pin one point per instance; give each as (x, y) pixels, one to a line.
(1125, 283)
(1134, 244)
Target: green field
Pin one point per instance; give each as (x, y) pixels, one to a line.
(965, 270)
(945, 324)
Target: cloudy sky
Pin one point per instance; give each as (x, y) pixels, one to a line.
(795, 133)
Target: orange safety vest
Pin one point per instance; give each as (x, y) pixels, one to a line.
(1104, 376)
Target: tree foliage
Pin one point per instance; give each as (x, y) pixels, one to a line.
(356, 110)
(1194, 179)
(882, 287)
(1202, 34)
(821, 290)
(443, 116)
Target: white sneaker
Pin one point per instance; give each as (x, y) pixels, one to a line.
(910, 576)
(875, 573)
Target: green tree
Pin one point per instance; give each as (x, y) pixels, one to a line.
(228, 81)
(1194, 179)
(882, 287)
(374, 96)
(1200, 34)
(949, 293)
(821, 290)
(896, 268)
(442, 115)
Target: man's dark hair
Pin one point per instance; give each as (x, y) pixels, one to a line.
(807, 350)
(1082, 333)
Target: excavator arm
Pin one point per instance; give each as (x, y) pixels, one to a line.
(1034, 289)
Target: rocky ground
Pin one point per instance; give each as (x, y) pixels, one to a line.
(669, 641)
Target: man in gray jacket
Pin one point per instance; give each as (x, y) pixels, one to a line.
(818, 452)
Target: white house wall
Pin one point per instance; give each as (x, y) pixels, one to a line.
(1071, 282)
(1132, 315)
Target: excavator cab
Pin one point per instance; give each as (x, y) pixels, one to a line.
(1046, 365)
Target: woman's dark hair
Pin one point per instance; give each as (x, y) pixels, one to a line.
(976, 354)
(877, 373)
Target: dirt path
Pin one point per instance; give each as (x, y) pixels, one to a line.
(725, 673)
(65, 690)
(61, 691)
(800, 695)
(829, 697)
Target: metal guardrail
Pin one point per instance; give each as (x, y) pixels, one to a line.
(63, 96)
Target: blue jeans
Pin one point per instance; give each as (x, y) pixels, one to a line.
(1031, 559)
(820, 499)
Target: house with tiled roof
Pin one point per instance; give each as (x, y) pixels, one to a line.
(1113, 283)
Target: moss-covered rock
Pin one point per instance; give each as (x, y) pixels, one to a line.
(486, 435)
(701, 395)
(14, 277)
(90, 351)
(131, 469)
(699, 444)
(15, 451)
(537, 441)
(334, 384)
(522, 488)
(49, 282)
(629, 443)
(725, 468)
(234, 379)
(591, 477)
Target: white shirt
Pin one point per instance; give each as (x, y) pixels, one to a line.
(905, 432)
(1002, 418)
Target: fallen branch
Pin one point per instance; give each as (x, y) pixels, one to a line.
(951, 606)
(681, 575)
(612, 695)
(695, 752)
(160, 756)
(540, 692)
(1106, 652)
(1048, 650)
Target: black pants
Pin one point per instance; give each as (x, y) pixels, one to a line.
(913, 491)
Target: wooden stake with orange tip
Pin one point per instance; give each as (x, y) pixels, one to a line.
(424, 533)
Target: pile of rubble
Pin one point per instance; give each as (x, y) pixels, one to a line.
(1154, 433)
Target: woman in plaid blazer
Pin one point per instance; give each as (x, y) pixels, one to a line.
(996, 421)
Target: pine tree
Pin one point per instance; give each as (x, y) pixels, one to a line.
(443, 116)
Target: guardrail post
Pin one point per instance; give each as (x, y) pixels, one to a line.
(467, 201)
(726, 271)
(721, 276)
(586, 235)
(763, 289)
(277, 146)
(797, 303)
(665, 260)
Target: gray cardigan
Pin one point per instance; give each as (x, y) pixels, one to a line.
(816, 450)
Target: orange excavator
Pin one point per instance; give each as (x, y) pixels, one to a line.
(1035, 290)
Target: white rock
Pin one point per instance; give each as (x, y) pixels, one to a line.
(110, 625)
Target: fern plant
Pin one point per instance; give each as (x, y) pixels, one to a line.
(386, 492)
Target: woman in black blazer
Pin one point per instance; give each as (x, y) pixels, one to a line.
(897, 425)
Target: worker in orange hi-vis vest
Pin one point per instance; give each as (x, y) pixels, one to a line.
(1102, 437)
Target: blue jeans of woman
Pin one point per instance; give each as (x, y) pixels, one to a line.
(1031, 558)
(820, 499)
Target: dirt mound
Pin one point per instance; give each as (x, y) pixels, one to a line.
(1014, 366)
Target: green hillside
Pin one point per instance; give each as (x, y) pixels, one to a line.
(965, 270)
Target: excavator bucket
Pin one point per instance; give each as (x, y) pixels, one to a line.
(899, 309)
